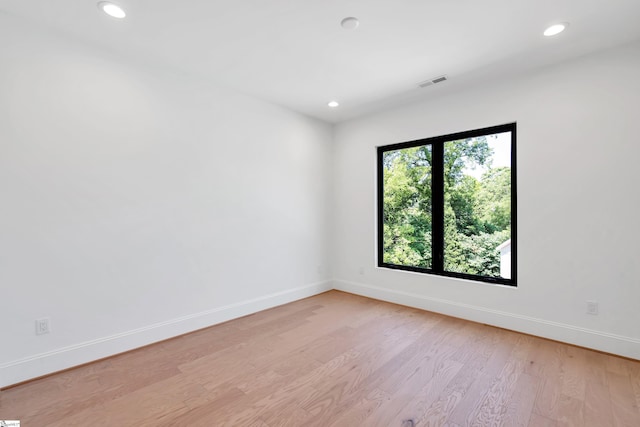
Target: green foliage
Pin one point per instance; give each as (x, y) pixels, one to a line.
(463, 201)
(475, 254)
(407, 207)
(477, 212)
(464, 153)
(493, 202)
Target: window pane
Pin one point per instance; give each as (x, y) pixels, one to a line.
(407, 207)
(477, 205)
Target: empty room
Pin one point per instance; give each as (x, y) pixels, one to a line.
(319, 213)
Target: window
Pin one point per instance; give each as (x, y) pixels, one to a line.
(447, 205)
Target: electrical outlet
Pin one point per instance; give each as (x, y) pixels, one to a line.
(43, 326)
(361, 270)
(592, 307)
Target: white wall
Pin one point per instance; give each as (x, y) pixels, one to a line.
(137, 203)
(578, 202)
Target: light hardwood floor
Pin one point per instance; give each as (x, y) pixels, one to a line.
(339, 360)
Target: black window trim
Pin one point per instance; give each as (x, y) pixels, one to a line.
(437, 144)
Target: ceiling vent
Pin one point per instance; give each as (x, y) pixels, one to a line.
(433, 81)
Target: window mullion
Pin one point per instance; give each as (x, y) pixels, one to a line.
(380, 206)
(437, 214)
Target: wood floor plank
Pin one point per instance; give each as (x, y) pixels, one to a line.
(634, 378)
(407, 374)
(614, 364)
(550, 369)
(597, 409)
(358, 413)
(424, 397)
(570, 412)
(283, 394)
(342, 388)
(440, 410)
(595, 368)
(541, 421)
(339, 360)
(520, 405)
(406, 384)
(470, 404)
(623, 402)
(574, 378)
(493, 409)
(474, 354)
(204, 414)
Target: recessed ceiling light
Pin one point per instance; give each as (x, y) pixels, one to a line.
(350, 23)
(555, 29)
(111, 9)
(333, 104)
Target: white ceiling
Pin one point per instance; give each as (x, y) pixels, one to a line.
(294, 52)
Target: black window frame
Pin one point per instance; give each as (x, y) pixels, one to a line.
(437, 187)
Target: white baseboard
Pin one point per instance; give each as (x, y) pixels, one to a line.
(602, 341)
(46, 363)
